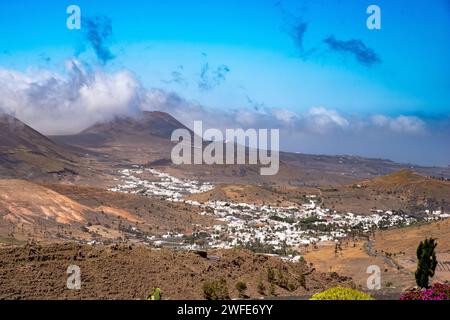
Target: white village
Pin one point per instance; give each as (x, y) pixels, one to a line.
(265, 228)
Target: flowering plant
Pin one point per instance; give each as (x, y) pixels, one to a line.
(438, 291)
(340, 293)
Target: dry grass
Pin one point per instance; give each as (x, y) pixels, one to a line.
(353, 262)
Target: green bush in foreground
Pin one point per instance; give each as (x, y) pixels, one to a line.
(156, 295)
(216, 290)
(340, 293)
(241, 287)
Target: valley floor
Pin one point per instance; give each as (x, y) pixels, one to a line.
(394, 251)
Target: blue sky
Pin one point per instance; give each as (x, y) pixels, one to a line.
(248, 54)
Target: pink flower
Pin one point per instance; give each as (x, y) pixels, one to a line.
(438, 291)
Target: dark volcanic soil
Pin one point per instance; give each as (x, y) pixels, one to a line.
(123, 271)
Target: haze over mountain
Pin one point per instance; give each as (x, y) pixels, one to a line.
(145, 139)
(147, 124)
(143, 128)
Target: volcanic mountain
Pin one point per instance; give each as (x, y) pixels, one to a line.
(141, 138)
(141, 128)
(24, 152)
(145, 139)
(156, 123)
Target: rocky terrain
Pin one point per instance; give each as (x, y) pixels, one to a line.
(58, 212)
(404, 190)
(131, 272)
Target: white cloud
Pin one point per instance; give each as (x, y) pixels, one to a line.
(54, 104)
(59, 104)
(401, 124)
(321, 119)
(286, 116)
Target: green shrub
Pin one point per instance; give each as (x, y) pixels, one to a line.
(427, 262)
(340, 293)
(270, 275)
(272, 292)
(241, 287)
(281, 280)
(156, 295)
(302, 279)
(261, 287)
(291, 287)
(216, 290)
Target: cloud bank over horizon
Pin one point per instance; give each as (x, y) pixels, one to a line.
(55, 103)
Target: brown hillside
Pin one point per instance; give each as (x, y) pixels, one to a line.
(258, 195)
(55, 212)
(24, 152)
(404, 190)
(131, 272)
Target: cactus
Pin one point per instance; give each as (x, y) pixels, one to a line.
(156, 295)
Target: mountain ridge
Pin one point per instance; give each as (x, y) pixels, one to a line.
(26, 152)
(144, 139)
